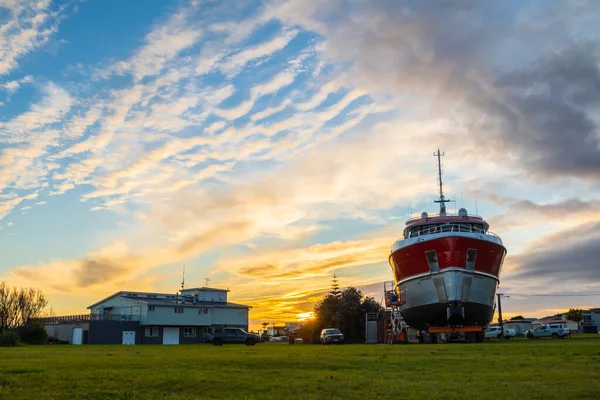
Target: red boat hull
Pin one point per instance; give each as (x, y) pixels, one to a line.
(451, 253)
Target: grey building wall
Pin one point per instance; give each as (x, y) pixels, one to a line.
(199, 338)
(111, 332)
(65, 331)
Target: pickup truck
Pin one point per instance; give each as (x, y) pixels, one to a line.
(495, 331)
(232, 335)
(554, 330)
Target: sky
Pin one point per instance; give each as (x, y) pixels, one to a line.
(269, 144)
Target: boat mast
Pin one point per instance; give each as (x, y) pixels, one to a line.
(442, 200)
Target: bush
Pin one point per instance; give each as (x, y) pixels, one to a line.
(9, 338)
(34, 334)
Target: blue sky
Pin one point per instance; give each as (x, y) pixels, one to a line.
(269, 144)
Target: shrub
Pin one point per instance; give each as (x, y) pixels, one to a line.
(9, 338)
(34, 334)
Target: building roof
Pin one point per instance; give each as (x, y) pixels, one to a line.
(520, 321)
(554, 319)
(169, 301)
(206, 289)
(199, 304)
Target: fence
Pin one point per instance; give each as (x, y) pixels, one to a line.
(82, 318)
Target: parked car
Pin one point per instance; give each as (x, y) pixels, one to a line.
(495, 332)
(233, 335)
(331, 335)
(53, 340)
(554, 330)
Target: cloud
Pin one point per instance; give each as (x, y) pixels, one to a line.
(271, 86)
(55, 104)
(236, 62)
(13, 86)
(313, 261)
(270, 111)
(565, 256)
(518, 213)
(447, 55)
(29, 26)
(162, 46)
(546, 112)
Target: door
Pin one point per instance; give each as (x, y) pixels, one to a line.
(170, 335)
(77, 337)
(371, 332)
(128, 337)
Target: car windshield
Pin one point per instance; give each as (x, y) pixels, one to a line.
(333, 332)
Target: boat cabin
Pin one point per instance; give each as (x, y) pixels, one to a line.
(427, 225)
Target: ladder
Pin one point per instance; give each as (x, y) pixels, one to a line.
(393, 301)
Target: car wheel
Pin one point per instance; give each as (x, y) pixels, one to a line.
(250, 342)
(530, 336)
(555, 335)
(218, 342)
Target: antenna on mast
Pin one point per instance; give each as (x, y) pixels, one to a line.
(183, 278)
(442, 200)
(206, 280)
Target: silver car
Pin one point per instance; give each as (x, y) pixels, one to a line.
(331, 335)
(554, 330)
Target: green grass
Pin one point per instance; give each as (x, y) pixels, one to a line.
(538, 369)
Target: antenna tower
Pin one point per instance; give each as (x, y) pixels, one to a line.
(206, 280)
(442, 200)
(183, 278)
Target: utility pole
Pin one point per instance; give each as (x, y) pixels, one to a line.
(500, 295)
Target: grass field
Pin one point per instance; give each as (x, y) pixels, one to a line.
(524, 369)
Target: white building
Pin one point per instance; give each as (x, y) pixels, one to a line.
(163, 317)
(591, 320)
(519, 325)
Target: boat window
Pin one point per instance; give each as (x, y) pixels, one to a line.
(445, 227)
(432, 260)
(471, 256)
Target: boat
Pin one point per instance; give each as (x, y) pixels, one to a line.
(447, 269)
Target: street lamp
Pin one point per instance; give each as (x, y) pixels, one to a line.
(500, 296)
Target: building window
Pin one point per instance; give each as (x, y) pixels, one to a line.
(152, 331)
(203, 311)
(207, 330)
(189, 332)
(178, 310)
(151, 308)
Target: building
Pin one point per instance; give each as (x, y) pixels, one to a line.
(151, 318)
(162, 318)
(591, 320)
(519, 325)
(276, 330)
(572, 325)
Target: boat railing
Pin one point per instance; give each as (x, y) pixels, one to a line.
(445, 215)
(448, 227)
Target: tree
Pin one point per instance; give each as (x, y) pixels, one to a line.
(19, 306)
(335, 287)
(574, 314)
(345, 312)
(518, 317)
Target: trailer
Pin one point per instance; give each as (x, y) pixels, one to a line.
(446, 334)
